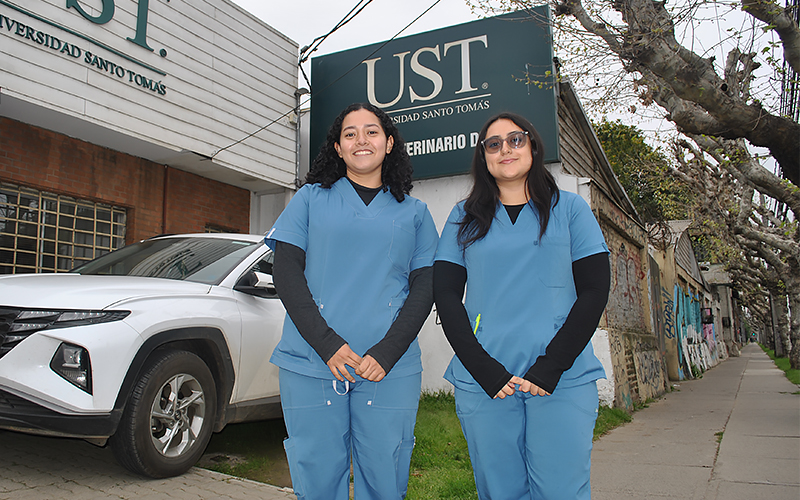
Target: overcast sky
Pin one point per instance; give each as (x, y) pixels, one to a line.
(305, 20)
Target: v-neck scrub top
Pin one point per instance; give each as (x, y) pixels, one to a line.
(520, 289)
(358, 260)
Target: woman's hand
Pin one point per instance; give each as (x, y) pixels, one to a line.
(344, 356)
(531, 388)
(509, 389)
(370, 369)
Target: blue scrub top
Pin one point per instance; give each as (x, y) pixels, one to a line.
(358, 259)
(522, 287)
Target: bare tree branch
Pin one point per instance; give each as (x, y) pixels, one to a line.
(780, 20)
(764, 180)
(698, 101)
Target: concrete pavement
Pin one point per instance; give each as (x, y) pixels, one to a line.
(44, 468)
(733, 434)
(672, 449)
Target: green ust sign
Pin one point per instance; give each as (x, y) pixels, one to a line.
(439, 87)
(107, 13)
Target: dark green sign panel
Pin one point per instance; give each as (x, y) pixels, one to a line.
(440, 87)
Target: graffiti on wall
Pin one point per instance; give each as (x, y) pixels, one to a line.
(669, 310)
(697, 346)
(638, 368)
(606, 387)
(636, 359)
(625, 306)
(622, 389)
(649, 370)
(708, 335)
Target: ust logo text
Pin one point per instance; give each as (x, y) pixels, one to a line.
(462, 47)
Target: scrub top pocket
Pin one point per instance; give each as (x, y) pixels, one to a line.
(554, 262)
(402, 247)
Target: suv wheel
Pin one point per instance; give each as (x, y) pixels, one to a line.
(167, 422)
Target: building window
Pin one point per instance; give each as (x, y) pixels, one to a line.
(43, 232)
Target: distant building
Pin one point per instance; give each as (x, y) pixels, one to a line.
(725, 308)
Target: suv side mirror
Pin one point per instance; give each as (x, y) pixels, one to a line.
(256, 283)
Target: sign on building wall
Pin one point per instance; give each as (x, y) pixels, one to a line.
(440, 87)
(55, 37)
(171, 82)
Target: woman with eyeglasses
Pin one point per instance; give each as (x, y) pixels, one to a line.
(535, 266)
(354, 268)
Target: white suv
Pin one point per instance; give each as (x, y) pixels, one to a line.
(151, 348)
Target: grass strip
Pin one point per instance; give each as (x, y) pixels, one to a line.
(440, 464)
(783, 364)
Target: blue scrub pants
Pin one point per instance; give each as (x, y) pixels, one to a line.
(326, 420)
(530, 447)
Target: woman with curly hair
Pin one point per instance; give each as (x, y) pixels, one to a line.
(535, 266)
(353, 267)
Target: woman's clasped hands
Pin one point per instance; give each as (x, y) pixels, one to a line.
(520, 384)
(366, 367)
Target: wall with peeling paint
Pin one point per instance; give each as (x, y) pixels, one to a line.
(625, 341)
(636, 357)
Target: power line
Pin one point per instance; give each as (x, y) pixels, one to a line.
(306, 51)
(309, 49)
(379, 48)
(302, 59)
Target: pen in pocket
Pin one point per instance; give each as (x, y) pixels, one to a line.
(477, 322)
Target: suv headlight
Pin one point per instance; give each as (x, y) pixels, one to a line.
(73, 364)
(29, 321)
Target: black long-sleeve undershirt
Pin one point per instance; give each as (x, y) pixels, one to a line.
(292, 287)
(592, 277)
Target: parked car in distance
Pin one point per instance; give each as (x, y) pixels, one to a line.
(149, 348)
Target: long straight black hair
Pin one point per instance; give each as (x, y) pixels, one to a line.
(481, 204)
(396, 172)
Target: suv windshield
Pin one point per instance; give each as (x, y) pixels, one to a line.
(202, 260)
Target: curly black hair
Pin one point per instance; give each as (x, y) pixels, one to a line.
(396, 173)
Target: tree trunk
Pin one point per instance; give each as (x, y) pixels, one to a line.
(781, 325)
(794, 322)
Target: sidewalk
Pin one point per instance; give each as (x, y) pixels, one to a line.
(46, 468)
(671, 450)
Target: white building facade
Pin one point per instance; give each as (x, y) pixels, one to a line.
(193, 96)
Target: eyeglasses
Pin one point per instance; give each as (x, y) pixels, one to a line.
(515, 140)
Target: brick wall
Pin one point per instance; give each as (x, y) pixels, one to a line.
(195, 201)
(49, 161)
